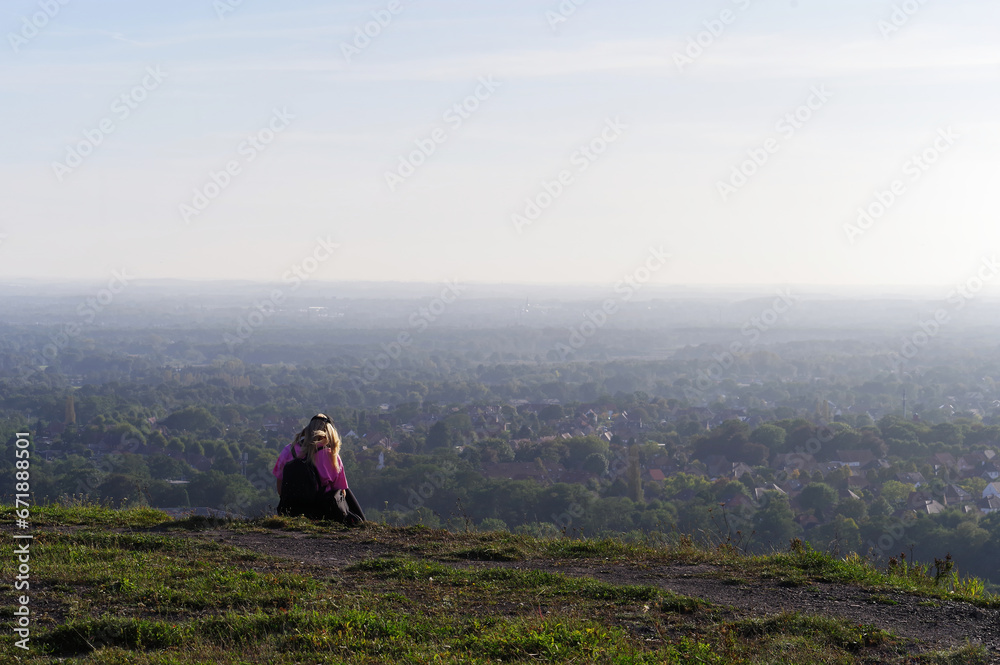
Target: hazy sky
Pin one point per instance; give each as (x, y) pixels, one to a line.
(667, 97)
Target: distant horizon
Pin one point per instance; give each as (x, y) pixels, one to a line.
(808, 290)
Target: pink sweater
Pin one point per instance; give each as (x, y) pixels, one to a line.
(330, 477)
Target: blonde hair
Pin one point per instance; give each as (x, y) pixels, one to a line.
(318, 433)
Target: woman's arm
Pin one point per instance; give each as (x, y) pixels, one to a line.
(279, 466)
(339, 477)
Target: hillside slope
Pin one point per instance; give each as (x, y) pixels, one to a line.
(135, 587)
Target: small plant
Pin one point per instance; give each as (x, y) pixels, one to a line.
(883, 600)
(970, 587)
(943, 568)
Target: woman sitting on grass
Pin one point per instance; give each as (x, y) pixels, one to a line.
(311, 478)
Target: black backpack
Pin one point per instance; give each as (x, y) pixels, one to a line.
(300, 487)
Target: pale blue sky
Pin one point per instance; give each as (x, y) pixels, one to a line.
(656, 185)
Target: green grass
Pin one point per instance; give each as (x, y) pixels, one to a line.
(89, 515)
(506, 580)
(802, 564)
(114, 572)
(136, 587)
(836, 633)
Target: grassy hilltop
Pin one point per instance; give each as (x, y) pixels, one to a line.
(134, 586)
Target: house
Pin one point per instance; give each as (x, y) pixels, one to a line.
(573, 477)
(791, 486)
(826, 468)
(918, 500)
(930, 507)
(717, 465)
(792, 461)
(877, 465)
(943, 461)
(738, 501)
(993, 489)
(858, 482)
(955, 496)
(655, 474)
(968, 463)
(759, 492)
(989, 504)
(806, 521)
(991, 471)
(847, 494)
(914, 478)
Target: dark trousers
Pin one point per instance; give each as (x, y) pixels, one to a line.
(338, 505)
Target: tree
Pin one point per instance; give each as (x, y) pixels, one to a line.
(439, 435)
(492, 524)
(634, 475)
(70, 416)
(854, 509)
(728, 439)
(581, 447)
(840, 535)
(775, 522)
(770, 436)
(411, 445)
(207, 489)
(225, 464)
(947, 433)
(167, 468)
(121, 491)
(754, 454)
(165, 495)
(192, 419)
(880, 508)
(496, 450)
(596, 463)
(819, 498)
(896, 492)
